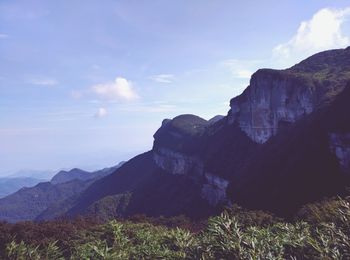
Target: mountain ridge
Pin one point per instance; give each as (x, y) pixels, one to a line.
(50, 199)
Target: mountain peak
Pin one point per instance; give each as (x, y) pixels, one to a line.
(328, 61)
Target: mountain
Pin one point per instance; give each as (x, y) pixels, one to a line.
(47, 200)
(28, 203)
(10, 185)
(151, 190)
(78, 174)
(284, 142)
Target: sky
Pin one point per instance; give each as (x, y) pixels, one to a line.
(87, 83)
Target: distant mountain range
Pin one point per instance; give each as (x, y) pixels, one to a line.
(29, 203)
(78, 174)
(285, 142)
(10, 185)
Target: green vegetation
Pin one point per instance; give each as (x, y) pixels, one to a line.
(29, 203)
(319, 231)
(110, 207)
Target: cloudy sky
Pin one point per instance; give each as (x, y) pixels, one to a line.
(87, 83)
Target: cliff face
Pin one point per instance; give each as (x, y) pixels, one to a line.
(213, 187)
(273, 99)
(340, 146)
(177, 150)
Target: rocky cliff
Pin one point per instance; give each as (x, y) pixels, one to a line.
(275, 98)
(176, 150)
(340, 146)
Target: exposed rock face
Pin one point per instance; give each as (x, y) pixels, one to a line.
(214, 190)
(177, 163)
(276, 97)
(340, 146)
(176, 151)
(273, 98)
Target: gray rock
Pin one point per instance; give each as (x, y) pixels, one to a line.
(340, 146)
(273, 98)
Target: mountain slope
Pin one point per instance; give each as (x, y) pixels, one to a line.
(47, 200)
(10, 185)
(27, 203)
(78, 174)
(152, 191)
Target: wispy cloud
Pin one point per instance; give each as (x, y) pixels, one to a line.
(4, 36)
(242, 69)
(163, 78)
(24, 130)
(323, 31)
(101, 112)
(43, 81)
(152, 107)
(121, 90)
(96, 67)
(76, 94)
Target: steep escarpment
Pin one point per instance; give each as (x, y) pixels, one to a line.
(199, 149)
(302, 163)
(275, 98)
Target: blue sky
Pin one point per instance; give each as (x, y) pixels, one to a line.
(87, 83)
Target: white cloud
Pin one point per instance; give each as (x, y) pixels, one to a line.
(121, 90)
(76, 94)
(323, 31)
(242, 69)
(44, 81)
(163, 78)
(96, 67)
(101, 112)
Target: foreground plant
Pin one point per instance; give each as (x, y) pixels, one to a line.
(235, 234)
